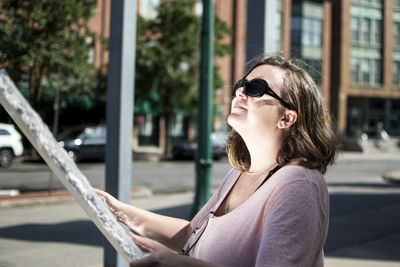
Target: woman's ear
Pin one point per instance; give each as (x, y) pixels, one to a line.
(288, 119)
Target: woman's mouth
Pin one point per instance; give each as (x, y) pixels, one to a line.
(239, 106)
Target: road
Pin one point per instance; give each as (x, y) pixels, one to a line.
(364, 222)
(160, 177)
(179, 176)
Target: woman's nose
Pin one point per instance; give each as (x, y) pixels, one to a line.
(240, 93)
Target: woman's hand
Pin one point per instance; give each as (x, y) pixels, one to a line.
(159, 254)
(115, 206)
(161, 258)
(171, 232)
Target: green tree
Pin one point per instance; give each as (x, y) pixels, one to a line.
(45, 44)
(167, 57)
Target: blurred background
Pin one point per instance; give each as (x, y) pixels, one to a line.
(56, 52)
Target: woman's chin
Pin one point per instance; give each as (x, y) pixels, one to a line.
(235, 121)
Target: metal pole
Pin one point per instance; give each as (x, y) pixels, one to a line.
(120, 99)
(204, 160)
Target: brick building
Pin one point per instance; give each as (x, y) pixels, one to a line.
(351, 47)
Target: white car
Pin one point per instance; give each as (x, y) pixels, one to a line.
(10, 144)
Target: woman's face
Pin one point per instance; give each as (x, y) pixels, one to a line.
(258, 113)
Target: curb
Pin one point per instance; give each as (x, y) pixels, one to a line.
(45, 197)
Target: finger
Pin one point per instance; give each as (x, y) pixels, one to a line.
(144, 242)
(105, 200)
(102, 193)
(99, 191)
(141, 242)
(106, 197)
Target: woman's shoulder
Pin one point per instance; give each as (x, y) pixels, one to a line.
(291, 173)
(228, 181)
(300, 184)
(230, 176)
(299, 172)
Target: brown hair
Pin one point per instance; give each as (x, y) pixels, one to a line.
(310, 141)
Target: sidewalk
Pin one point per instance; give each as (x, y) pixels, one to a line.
(41, 229)
(59, 233)
(392, 176)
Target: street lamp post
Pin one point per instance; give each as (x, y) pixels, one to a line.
(204, 160)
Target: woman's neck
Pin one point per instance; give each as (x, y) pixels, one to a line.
(262, 154)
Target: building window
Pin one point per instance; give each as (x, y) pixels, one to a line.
(376, 71)
(365, 30)
(376, 30)
(354, 30)
(354, 71)
(366, 23)
(177, 126)
(148, 129)
(396, 73)
(307, 35)
(312, 32)
(279, 22)
(377, 3)
(396, 35)
(366, 71)
(314, 68)
(296, 31)
(368, 3)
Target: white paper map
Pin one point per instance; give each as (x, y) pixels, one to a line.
(65, 168)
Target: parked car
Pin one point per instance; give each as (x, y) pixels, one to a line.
(10, 144)
(188, 149)
(84, 143)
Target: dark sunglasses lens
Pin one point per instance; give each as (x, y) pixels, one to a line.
(255, 88)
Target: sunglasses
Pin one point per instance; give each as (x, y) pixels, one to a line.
(258, 88)
(196, 234)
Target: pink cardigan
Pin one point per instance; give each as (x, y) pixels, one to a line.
(284, 223)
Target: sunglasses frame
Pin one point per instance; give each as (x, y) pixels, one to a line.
(196, 234)
(266, 90)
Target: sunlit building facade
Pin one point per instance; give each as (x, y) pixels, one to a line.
(365, 79)
(351, 48)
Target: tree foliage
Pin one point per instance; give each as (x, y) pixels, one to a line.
(46, 44)
(167, 57)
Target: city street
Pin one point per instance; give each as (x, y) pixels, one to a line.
(146, 78)
(364, 227)
(352, 170)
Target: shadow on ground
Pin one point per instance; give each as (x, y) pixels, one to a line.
(365, 226)
(79, 232)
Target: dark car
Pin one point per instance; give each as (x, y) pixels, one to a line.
(187, 149)
(85, 143)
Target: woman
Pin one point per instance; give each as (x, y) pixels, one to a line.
(272, 208)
